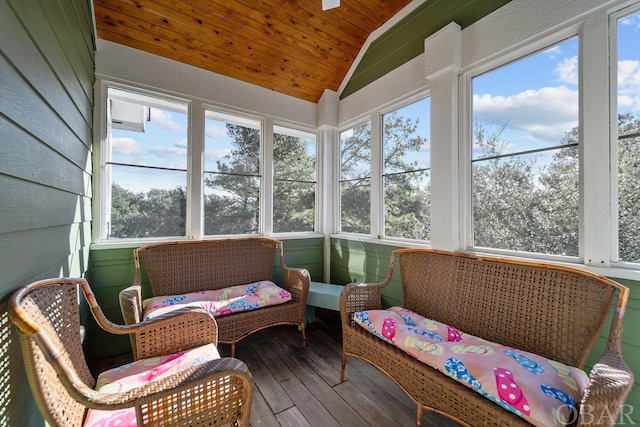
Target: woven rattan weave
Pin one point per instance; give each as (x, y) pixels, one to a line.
(552, 311)
(215, 393)
(174, 268)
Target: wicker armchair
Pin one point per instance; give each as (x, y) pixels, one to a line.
(214, 392)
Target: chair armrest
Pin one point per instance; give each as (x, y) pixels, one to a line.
(297, 281)
(173, 332)
(131, 304)
(610, 379)
(610, 383)
(358, 297)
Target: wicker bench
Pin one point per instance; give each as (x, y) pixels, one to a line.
(551, 311)
(176, 268)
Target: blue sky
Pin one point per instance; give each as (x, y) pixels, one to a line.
(536, 97)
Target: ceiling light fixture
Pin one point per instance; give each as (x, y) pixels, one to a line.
(330, 4)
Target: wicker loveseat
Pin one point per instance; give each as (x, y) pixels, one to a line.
(173, 268)
(551, 311)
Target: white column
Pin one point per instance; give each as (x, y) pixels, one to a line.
(266, 189)
(327, 169)
(443, 53)
(596, 228)
(195, 177)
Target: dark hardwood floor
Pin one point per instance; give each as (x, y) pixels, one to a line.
(301, 387)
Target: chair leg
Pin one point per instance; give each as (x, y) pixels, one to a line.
(304, 336)
(344, 363)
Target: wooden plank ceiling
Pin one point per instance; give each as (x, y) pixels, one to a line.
(289, 46)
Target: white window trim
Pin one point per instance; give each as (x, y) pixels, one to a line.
(195, 166)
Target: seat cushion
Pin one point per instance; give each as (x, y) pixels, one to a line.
(219, 302)
(138, 373)
(542, 391)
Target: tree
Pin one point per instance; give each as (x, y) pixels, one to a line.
(233, 206)
(294, 187)
(355, 180)
(406, 187)
(155, 213)
(503, 194)
(629, 189)
(516, 206)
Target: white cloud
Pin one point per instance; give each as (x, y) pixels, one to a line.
(629, 85)
(214, 131)
(173, 151)
(631, 20)
(164, 120)
(547, 113)
(554, 51)
(215, 155)
(125, 147)
(182, 143)
(567, 69)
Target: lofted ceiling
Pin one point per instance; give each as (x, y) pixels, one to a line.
(289, 46)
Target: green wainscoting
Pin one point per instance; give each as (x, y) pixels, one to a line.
(356, 261)
(111, 270)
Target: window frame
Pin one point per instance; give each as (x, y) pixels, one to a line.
(405, 102)
(196, 111)
(466, 159)
(289, 130)
(614, 17)
(338, 188)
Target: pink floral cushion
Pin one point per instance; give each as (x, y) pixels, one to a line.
(542, 391)
(220, 301)
(138, 373)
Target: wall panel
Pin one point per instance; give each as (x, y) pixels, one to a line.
(46, 82)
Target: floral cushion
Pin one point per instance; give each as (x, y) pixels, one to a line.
(220, 301)
(542, 391)
(138, 373)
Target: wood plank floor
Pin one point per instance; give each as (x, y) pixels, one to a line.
(301, 387)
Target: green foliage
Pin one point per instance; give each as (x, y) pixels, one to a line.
(629, 189)
(407, 191)
(294, 186)
(233, 205)
(516, 204)
(519, 207)
(155, 213)
(355, 185)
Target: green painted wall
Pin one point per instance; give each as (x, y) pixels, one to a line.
(46, 106)
(111, 270)
(405, 40)
(355, 261)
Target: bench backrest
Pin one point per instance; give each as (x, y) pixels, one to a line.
(190, 266)
(552, 311)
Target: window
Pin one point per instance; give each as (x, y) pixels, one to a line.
(355, 179)
(165, 174)
(628, 144)
(145, 166)
(231, 174)
(406, 183)
(294, 180)
(525, 184)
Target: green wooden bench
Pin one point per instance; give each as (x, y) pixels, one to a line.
(324, 295)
